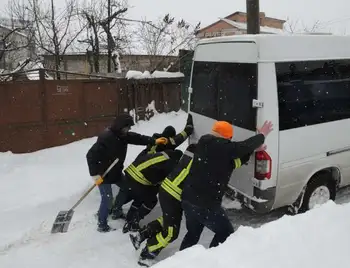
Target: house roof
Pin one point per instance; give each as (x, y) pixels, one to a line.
(237, 13)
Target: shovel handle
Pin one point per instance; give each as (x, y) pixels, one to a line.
(94, 185)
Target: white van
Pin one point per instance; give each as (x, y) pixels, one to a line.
(299, 82)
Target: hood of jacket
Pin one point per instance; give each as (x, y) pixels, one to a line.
(120, 122)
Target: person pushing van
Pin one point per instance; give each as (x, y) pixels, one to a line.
(214, 159)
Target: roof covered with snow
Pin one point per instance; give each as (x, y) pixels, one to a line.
(289, 47)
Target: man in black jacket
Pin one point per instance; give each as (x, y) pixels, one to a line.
(143, 178)
(110, 145)
(174, 140)
(206, 183)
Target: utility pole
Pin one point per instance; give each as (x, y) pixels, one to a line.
(253, 17)
(109, 53)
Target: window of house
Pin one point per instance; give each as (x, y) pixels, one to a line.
(224, 91)
(313, 92)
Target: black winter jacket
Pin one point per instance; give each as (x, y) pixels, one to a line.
(112, 144)
(213, 163)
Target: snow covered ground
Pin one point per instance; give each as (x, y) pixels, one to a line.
(34, 187)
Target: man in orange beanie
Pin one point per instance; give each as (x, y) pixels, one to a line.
(205, 186)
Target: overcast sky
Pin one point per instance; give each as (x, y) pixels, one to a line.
(334, 14)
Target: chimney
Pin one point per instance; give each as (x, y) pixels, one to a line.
(262, 18)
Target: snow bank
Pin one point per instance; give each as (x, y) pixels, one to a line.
(319, 238)
(35, 186)
(156, 74)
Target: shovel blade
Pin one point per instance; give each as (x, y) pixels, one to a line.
(62, 222)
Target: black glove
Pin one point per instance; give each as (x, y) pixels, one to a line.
(189, 120)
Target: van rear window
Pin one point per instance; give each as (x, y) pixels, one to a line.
(224, 91)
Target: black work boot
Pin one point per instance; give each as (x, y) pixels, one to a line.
(132, 226)
(137, 239)
(118, 214)
(146, 258)
(105, 228)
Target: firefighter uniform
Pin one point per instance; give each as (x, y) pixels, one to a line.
(144, 176)
(174, 139)
(165, 229)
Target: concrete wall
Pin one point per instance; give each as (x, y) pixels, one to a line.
(80, 63)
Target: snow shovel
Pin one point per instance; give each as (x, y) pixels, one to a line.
(64, 217)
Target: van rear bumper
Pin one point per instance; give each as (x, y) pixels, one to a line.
(262, 201)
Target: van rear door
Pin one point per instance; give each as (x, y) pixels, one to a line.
(224, 84)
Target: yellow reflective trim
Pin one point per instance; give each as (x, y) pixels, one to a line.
(153, 149)
(136, 175)
(184, 134)
(170, 191)
(171, 185)
(162, 242)
(172, 141)
(183, 174)
(151, 162)
(160, 220)
(238, 163)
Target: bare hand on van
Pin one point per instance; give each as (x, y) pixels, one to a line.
(266, 128)
(261, 148)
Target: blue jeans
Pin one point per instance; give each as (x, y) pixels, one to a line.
(107, 206)
(215, 219)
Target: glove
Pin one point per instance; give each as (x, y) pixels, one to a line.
(266, 128)
(162, 140)
(97, 179)
(189, 120)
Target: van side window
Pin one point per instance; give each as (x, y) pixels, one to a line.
(224, 91)
(313, 92)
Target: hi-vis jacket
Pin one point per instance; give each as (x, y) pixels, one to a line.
(173, 183)
(151, 169)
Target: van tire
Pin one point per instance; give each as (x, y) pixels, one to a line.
(321, 181)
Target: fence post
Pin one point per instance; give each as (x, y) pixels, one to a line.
(42, 87)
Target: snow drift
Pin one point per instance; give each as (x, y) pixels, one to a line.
(35, 186)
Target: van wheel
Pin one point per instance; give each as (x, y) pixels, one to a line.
(319, 191)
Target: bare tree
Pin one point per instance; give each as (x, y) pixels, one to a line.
(55, 29)
(297, 26)
(105, 32)
(16, 37)
(166, 36)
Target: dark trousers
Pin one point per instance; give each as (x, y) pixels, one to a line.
(165, 229)
(215, 219)
(144, 199)
(123, 197)
(107, 205)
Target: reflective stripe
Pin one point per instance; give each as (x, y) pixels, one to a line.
(162, 242)
(238, 163)
(153, 149)
(188, 153)
(135, 172)
(137, 175)
(172, 187)
(172, 141)
(152, 161)
(184, 134)
(160, 220)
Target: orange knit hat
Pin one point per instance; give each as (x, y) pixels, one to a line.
(223, 128)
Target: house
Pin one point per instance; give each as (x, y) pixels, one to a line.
(16, 44)
(81, 63)
(236, 23)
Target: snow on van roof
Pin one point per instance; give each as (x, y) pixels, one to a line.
(291, 47)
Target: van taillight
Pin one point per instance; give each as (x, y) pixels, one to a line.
(263, 163)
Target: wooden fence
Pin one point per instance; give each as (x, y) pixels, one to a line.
(44, 113)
